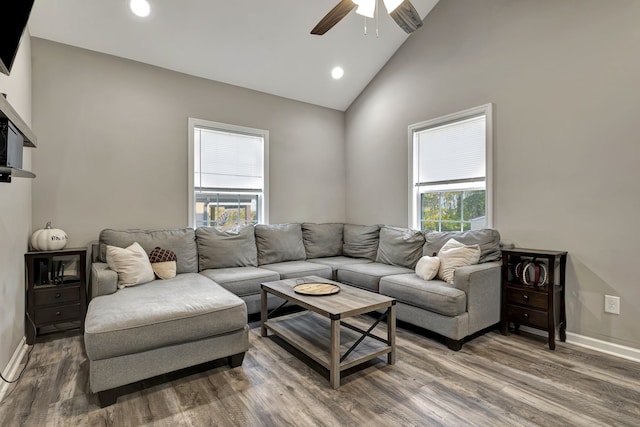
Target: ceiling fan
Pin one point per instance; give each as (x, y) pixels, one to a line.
(402, 11)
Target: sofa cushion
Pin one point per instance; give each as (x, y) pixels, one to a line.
(322, 240)
(131, 263)
(487, 238)
(222, 249)
(361, 241)
(368, 275)
(336, 262)
(292, 269)
(279, 243)
(241, 281)
(453, 255)
(400, 246)
(181, 241)
(432, 295)
(160, 313)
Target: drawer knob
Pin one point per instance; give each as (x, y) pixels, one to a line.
(58, 295)
(58, 313)
(526, 315)
(525, 297)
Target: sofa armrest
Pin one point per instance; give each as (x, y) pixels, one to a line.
(481, 283)
(104, 281)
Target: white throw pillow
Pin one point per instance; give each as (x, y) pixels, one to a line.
(427, 267)
(132, 265)
(455, 254)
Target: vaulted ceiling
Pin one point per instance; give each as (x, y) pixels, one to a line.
(257, 44)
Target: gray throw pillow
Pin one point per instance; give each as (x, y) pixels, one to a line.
(487, 238)
(279, 243)
(222, 249)
(361, 241)
(322, 240)
(181, 241)
(400, 246)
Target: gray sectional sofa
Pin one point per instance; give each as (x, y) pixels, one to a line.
(201, 314)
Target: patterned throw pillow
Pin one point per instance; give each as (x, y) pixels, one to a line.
(163, 262)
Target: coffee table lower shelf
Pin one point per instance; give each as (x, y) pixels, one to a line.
(311, 333)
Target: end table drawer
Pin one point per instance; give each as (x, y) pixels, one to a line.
(527, 316)
(527, 297)
(57, 314)
(57, 296)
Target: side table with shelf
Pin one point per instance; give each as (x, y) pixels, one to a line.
(540, 306)
(54, 295)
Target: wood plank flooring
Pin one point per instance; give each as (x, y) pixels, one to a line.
(493, 381)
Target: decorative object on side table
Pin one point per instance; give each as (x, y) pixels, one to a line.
(56, 289)
(48, 239)
(532, 294)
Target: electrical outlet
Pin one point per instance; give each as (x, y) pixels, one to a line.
(611, 304)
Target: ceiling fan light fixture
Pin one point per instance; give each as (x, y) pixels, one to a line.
(402, 12)
(366, 8)
(391, 5)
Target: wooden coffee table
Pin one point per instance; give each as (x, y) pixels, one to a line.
(317, 331)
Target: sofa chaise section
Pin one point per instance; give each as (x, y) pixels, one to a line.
(152, 321)
(157, 327)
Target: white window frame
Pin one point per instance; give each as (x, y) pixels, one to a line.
(414, 193)
(263, 214)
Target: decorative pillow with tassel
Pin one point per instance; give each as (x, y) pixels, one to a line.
(163, 262)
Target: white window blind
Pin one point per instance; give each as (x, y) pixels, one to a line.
(226, 160)
(452, 152)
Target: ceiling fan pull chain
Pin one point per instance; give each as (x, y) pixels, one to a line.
(365, 25)
(377, 14)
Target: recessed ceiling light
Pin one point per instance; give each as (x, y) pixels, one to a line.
(140, 7)
(337, 73)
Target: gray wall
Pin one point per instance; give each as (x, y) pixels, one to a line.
(564, 79)
(15, 215)
(113, 144)
(562, 76)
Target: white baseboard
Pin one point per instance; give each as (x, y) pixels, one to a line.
(618, 350)
(622, 351)
(13, 367)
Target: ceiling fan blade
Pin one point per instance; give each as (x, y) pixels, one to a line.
(406, 16)
(333, 17)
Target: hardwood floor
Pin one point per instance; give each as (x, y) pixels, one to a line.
(493, 381)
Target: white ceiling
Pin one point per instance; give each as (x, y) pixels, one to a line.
(264, 45)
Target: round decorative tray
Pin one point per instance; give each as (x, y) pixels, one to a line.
(316, 289)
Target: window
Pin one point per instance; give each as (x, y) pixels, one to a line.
(450, 171)
(228, 175)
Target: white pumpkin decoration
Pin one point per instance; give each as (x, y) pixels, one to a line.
(48, 239)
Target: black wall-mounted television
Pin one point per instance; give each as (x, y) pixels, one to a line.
(14, 18)
(11, 143)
